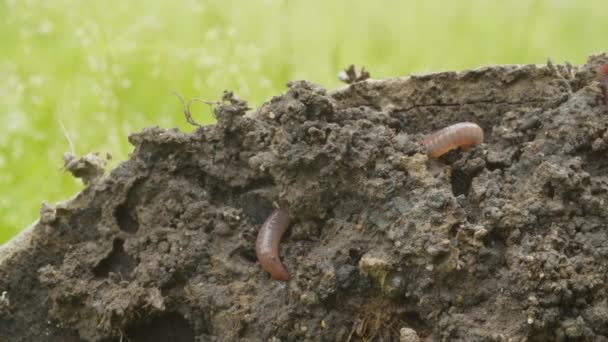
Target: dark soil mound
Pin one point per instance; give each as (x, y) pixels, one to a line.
(506, 241)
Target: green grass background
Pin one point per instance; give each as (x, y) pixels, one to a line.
(107, 68)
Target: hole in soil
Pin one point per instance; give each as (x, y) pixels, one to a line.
(416, 322)
(461, 182)
(125, 212)
(117, 262)
(168, 327)
(454, 230)
(126, 221)
(495, 166)
(248, 255)
(549, 190)
(355, 255)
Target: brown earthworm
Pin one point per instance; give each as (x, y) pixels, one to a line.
(602, 77)
(463, 134)
(267, 244)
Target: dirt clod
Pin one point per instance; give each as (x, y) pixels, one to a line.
(506, 241)
(88, 168)
(408, 335)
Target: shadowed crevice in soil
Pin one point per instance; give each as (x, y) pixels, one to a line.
(504, 241)
(118, 262)
(168, 327)
(125, 219)
(461, 182)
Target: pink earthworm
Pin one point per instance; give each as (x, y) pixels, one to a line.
(463, 134)
(267, 244)
(602, 77)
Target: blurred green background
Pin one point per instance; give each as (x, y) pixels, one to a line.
(107, 68)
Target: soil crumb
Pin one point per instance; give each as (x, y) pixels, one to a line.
(88, 168)
(506, 241)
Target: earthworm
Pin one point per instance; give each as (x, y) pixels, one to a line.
(602, 77)
(267, 244)
(462, 134)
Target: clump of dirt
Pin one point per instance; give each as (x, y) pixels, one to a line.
(506, 241)
(89, 168)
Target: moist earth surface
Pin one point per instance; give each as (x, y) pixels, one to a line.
(505, 241)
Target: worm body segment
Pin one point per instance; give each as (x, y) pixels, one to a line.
(267, 244)
(463, 134)
(602, 77)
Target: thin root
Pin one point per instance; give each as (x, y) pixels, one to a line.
(67, 136)
(186, 106)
